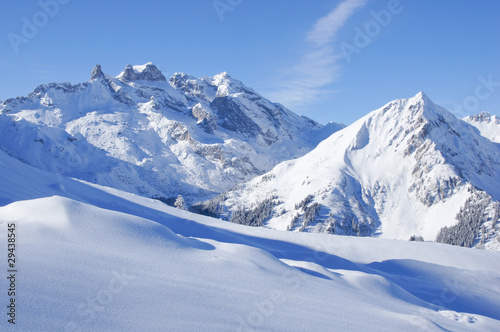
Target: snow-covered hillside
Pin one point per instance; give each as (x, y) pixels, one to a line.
(488, 125)
(406, 169)
(90, 258)
(142, 134)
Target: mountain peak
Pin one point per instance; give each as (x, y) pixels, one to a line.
(481, 117)
(96, 72)
(146, 72)
(421, 97)
(227, 85)
(225, 79)
(421, 105)
(386, 175)
(224, 74)
(418, 106)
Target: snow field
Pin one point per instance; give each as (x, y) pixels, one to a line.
(95, 258)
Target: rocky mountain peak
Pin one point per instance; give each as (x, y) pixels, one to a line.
(96, 72)
(147, 72)
(481, 117)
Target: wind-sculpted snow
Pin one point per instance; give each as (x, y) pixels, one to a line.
(94, 258)
(404, 170)
(140, 133)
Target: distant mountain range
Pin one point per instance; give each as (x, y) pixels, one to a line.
(146, 135)
(409, 170)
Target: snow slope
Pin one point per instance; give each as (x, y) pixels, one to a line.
(141, 133)
(91, 258)
(405, 169)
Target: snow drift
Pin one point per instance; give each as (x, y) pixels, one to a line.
(96, 258)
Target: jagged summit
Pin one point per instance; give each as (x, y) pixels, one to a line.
(178, 75)
(422, 95)
(224, 78)
(96, 72)
(485, 117)
(147, 72)
(223, 75)
(415, 110)
(420, 99)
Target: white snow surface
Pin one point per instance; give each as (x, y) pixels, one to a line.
(91, 258)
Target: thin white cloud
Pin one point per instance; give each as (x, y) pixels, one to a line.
(326, 28)
(319, 65)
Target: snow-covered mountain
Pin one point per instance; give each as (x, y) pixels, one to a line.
(410, 168)
(91, 258)
(488, 125)
(143, 134)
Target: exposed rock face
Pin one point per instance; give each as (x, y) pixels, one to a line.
(483, 117)
(148, 72)
(96, 72)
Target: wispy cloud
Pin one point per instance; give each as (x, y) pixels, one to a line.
(320, 65)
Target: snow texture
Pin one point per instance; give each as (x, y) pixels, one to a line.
(92, 258)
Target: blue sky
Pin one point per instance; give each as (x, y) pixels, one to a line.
(329, 60)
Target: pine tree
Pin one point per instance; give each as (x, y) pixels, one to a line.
(180, 203)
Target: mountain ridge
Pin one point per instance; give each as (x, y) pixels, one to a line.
(405, 169)
(153, 136)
